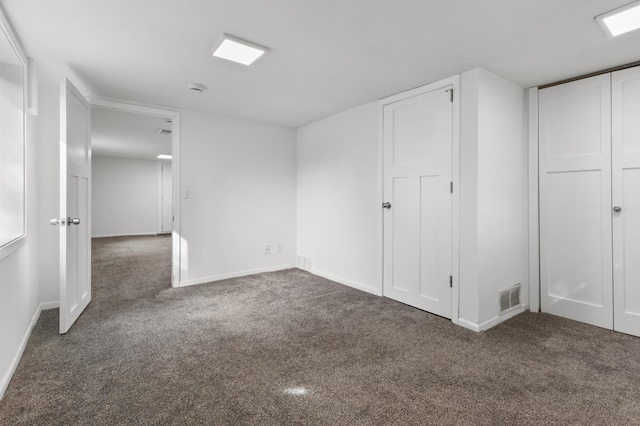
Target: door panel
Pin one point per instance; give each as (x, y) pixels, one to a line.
(573, 255)
(417, 144)
(405, 242)
(75, 203)
(575, 199)
(626, 194)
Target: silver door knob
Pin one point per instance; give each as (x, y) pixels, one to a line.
(74, 221)
(54, 221)
(617, 209)
(386, 205)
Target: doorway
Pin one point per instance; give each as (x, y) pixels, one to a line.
(136, 174)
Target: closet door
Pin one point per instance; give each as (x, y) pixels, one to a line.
(417, 142)
(575, 201)
(626, 198)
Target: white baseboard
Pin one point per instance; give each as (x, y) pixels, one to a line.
(49, 305)
(135, 234)
(4, 382)
(353, 284)
(220, 277)
(492, 322)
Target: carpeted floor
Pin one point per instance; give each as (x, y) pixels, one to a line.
(291, 348)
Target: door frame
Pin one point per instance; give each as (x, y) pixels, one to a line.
(160, 206)
(534, 202)
(454, 82)
(123, 106)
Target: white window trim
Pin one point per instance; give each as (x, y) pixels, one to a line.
(5, 27)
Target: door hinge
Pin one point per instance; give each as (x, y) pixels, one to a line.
(451, 187)
(450, 94)
(450, 280)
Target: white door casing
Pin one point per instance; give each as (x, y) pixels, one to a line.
(417, 175)
(625, 95)
(75, 203)
(167, 198)
(575, 200)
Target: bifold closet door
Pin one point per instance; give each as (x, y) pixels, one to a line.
(575, 201)
(626, 199)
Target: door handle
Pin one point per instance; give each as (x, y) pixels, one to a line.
(68, 221)
(386, 205)
(617, 209)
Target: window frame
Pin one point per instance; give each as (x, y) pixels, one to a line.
(6, 29)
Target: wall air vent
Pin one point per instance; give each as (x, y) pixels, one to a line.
(509, 298)
(163, 132)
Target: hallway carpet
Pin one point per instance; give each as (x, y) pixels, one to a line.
(290, 348)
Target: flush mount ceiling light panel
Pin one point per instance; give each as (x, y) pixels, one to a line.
(237, 50)
(621, 20)
(164, 156)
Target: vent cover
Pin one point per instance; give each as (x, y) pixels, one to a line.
(164, 132)
(509, 298)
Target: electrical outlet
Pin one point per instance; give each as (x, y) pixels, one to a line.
(267, 249)
(279, 248)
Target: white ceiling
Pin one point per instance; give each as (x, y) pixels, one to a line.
(128, 135)
(327, 56)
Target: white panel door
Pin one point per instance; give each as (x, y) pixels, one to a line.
(167, 198)
(417, 143)
(626, 199)
(75, 205)
(575, 201)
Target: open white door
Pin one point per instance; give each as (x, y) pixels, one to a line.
(75, 205)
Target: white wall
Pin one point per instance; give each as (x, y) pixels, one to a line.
(241, 178)
(19, 273)
(337, 197)
(124, 197)
(494, 195)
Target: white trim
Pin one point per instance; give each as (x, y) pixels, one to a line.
(469, 325)
(45, 306)
(454, 83)
(32, 86)
(159, 197)
(139, 108)
(133, 234)
(455, 203)
(204, 280)
(380, 182)
(6, 28)
(348, 283)
(534, 220)
(6, 379)
(492, 322)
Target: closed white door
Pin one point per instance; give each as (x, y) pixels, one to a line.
(75, 205)
(575, 201)
(167, 198)
(417, 143)
(626, 199)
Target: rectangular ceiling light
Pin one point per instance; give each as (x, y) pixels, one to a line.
(237, 50)
(165, 157)
(620, 20)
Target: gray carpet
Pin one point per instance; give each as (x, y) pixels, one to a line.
(291, 348)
